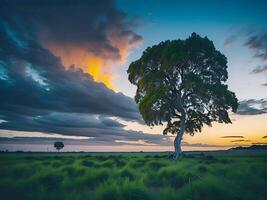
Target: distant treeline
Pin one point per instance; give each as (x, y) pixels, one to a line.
(251, 147)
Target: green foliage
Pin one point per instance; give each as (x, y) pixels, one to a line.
(127, 173)
(182, 80)
(134, 190)
(138, 163)
(156, 165)
(58, 145)
(173, 177)
(51, 181)
(107, 191)
(88, 163)
(231, 175)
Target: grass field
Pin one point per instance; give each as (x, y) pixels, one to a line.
(208, 175)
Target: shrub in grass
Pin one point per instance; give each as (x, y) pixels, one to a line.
(29, 158)
(46, 162)
(128, 174)
(220, 170)
(225, 161)
(72, 171)
(51, 181)
(167, 193)
(133, 190)
(22, 171)
(210, 187)
(107, 163)
(188, 155)
(202, 169)
(137, 163)
(12, 193)
(56, 164)
(147, 156)
(189, 175)
(159, 156)
(107, 191)
(95, 177)
(155, 165)
(73, 178)
(56, 157)
(68, 161)
(11, 190)
(119, 161)
(88, 163)
(171, 176)
(101, 158)
(152, 179)
(210, 157)
(167, 176)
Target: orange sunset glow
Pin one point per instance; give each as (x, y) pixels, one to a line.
(98, 65)
(88, 62)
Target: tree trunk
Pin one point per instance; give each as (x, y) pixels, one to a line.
(177, 141)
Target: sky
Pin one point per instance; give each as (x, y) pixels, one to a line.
(63, 71)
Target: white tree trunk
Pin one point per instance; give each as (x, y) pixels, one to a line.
(177, 141)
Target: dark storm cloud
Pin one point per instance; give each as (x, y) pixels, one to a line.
(88, 24)
(252, 107)
(37, 93)
(57, 122)
(233, 136)
(37, 83)
(65, 90)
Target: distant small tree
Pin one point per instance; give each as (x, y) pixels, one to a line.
(58, 145)
(182, 83)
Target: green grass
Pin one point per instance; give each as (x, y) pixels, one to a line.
(208, 175)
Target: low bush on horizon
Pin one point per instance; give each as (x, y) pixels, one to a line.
(136, 176)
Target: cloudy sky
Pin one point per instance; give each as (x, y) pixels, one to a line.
(63, 71)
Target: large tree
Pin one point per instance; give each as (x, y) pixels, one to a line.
(182, 83)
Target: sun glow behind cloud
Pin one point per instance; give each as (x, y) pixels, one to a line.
(89, 63)
(101, 68)
(95, 38)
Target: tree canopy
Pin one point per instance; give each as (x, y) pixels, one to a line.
(58, 145)
(182, 81)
